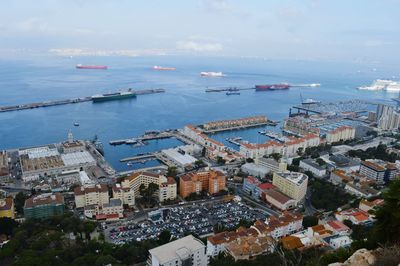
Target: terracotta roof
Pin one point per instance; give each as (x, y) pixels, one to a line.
(372, 165)
(291, 242)
(338, 226)
(98, 188)
(265, 186)
(170, 181)
(277, 195)
(44, 199)
(135, 175)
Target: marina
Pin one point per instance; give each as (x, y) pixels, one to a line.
(67, 101)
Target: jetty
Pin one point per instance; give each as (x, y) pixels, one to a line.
(26, 106)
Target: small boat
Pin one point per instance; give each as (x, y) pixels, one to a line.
(232, 93)
(76, 124)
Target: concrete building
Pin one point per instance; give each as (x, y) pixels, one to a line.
(342, 133)
(91, 195)
(167, 190)
(313, 167)
(184, 251)
(167, 186)
(366, 205)
(360, 190)
(110, 210)
(378, 170)
(4, 168)
(278, 199)
(125, 194)
(44, 206)
(211, 181)
(292, 184)
(254, 170)
(272, 165)
(7, 208)
(286, 224)
(387, 117)
(338, 241)
(179, 156)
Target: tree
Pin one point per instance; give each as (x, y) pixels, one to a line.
(172, 171)
(309, 221)
(19, 201)
(320, 161)
(387, 225)
(199, 163)
(276, 156)
(7, 225)
(164, 237)
(220, 160)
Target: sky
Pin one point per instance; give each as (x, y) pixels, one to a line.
(356, 30)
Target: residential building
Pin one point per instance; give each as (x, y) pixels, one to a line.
(91, 195)
(337, 227)
(196, 182)
(286, 224)
(278, 199)
(338, 241)
(111, 210)
(4, 169)
(292, 184)
(341, 133)
(313, 167)
(125, 194)
(44, 206)
(366, 205)
(7, 208)
(253, 120)
(378, 170)
(340, 177)
(250, 184)
(387, 117)
(356, 216)
(167, 188)
(272, 165)
(360, 190)
(248, 247)
(184, 251)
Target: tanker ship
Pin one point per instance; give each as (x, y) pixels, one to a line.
(80, 66)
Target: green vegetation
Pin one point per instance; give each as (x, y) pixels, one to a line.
(7, 226)
(276, 156)
(220, 161)
(19, 202)
(320, 162)
(309, 221)
(172, 172)
(199, 163)
(327, 196)
(147, 194)
(378, 152)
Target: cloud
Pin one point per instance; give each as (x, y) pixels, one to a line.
(201, 47)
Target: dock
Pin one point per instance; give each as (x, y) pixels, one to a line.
(138, 158)
(143, 138)
(20, 107)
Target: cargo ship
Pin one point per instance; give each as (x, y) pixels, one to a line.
(163, 68)
(80, 66)
(272, 87)
(113, 96)
(211, 74)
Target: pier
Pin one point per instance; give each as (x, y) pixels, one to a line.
(64, 102)
(138, 158)
(267, 123)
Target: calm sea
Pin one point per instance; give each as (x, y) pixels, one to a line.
(48, 78)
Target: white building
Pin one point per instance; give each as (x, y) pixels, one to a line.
(91, 195)
(338, 241)
(342, 133)
(272, 165)
(113, 208)
(167, 187)
(313, 167)
(125, 194)
(184, 251)
(387, 117)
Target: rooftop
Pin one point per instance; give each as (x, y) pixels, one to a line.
(294, 177)
(176, 249)
(44, 199)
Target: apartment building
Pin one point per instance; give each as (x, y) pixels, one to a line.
(211, 181)
(342, 133)
(286, 224)
(108, 211)
(125, 194)
(91, 195)
(44, 206)
(272, 165)
(378, 170)
(313, 167)
(167, 186)
(292, 184)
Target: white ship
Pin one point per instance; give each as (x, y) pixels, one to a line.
(394, 87)
(211, 74)
(377, 85)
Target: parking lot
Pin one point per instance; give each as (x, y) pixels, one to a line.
(197, 219)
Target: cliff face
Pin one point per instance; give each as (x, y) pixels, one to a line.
(361, 257)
